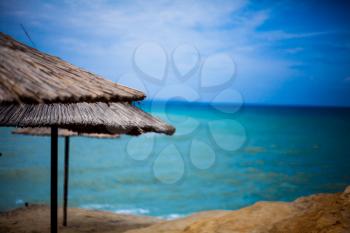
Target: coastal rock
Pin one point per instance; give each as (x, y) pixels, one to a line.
(321, 213)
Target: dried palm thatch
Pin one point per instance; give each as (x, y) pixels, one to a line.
(61, 133)
(113, 118)
(30, 76)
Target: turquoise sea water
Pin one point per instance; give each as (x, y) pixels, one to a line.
(281, 154)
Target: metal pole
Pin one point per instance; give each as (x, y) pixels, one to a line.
(66, 176)
(54, 167)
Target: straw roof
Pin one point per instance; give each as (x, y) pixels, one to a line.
(30, 76)
(113, 118)
(61, 133)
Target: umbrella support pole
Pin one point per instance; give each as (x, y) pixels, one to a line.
(54, 178)
(66, 175)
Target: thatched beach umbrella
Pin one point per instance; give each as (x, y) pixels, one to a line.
(30, 76)
(66, 134)
(107, 118)
(39, 90)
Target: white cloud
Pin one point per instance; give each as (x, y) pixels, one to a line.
(128, 22)
(102, 36)
(282, 35)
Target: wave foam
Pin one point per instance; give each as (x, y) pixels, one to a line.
(107, 207)
(172, 216)
(96, 206)
(19, 202)
(132, 211)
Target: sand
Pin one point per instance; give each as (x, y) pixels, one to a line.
(36, 218)
(321, 213)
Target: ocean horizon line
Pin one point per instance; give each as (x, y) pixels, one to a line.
(257, 105)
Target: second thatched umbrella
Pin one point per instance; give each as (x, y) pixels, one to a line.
(113, 118)
(66, 134)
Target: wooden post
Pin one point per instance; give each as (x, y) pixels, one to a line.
(54, 177)
(66, 176)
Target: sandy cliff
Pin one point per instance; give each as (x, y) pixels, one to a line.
(321, 213)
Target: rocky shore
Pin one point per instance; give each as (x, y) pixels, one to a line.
(320, 213)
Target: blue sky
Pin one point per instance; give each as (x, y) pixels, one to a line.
(283, 52)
